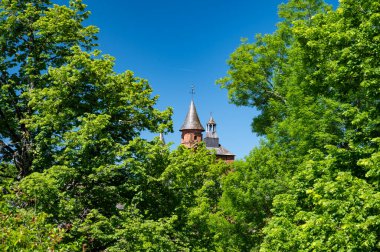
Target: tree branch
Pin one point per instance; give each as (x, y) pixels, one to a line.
(12, 132)
(5, 146)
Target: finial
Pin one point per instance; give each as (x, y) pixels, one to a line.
(192, 92)
(211, 120)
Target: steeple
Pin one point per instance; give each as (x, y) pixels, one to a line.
(211, 125)
(192, 134)
(192, 121)
(162, 139)
(212, 142)
(191, 128)
(211, 139)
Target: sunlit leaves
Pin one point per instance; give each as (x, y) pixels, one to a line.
(328, 125)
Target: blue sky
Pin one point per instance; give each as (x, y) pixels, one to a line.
(175, 44)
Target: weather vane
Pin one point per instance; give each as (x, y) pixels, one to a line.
(192, 92)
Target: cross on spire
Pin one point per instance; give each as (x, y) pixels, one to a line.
(192, 92)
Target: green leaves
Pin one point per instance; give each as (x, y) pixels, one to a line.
(70, 128)
(138, 234)
(25, 230)
(344, 215)
(34, 36)
(323, 63)
(86, 181)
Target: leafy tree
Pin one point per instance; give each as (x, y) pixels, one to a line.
(319, 101)
(335, 187)
(259, 71)
(25, 230)
(137, 233)
(70, 126)
(246, 199)
(325, 210)
(48, 83)
(193, 177)
(34, 37)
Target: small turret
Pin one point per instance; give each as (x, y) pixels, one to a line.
(191, 128)
(211, 139)
(192, 134)
(212, 142)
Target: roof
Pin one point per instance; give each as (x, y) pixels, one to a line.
(211, 121)
(192, 120)
(221, 151)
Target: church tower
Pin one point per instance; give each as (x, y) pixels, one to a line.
(192, 134)
(191, 128)
(211, 139)
(212, 143)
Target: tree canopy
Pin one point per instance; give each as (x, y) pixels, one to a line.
(75, 175)
(315, 81)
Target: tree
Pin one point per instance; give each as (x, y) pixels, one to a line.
(193, 178)
(335, 187)
(327, 124)
(26, 230)
(70, 125)
(245, 200)
(259, 71)
(43, 67)
(34, 37)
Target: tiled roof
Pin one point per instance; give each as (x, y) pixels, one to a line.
(221, 151)
(192, 120)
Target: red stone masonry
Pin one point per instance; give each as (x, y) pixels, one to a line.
(191, 137)
(192, 134)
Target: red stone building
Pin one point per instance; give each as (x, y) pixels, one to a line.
(191, 128)
(192, 133)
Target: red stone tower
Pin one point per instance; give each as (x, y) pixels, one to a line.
(191, 128)
(192, 134)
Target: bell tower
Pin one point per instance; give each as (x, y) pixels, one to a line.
(191, 128)
(212, 143)
(211, 139)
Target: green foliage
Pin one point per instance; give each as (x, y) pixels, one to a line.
(35, 36)
(193, 179)
(315, 81)
(135, 233)
(186, 173)
(247, 198)
(26, 230)
(344, 216)
(70, 130)
(259, 72)
(75, 174)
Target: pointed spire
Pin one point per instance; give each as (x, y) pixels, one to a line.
(211, 125)
(211, 120)
(192, 121)
(162, 139)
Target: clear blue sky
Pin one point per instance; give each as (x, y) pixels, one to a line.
(175, 44)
